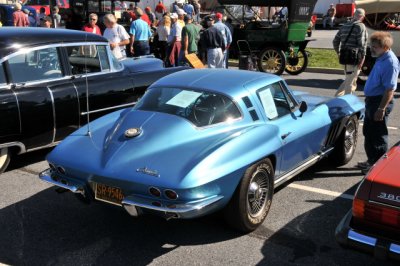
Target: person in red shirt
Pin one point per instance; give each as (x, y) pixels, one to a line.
(91, 26)
(19, 17)
(160, 10)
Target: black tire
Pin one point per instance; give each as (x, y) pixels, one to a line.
(4, 159)
(297, 64)
(252, 199)
(346, 144)
(272, 60)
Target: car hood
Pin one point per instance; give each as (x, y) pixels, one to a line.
(168, 148)
(385, 179)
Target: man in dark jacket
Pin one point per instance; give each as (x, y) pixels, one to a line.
(213, 41)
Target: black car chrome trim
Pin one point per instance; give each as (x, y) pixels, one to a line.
(79, 103)
(109, 108)
(11, 144)
(19, 111)
(300, 168)
(367, 240)
(54, 114)
(45, 146)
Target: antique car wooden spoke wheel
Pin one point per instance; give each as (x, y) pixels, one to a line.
(4, 159)
(296, 62)
(272, 60)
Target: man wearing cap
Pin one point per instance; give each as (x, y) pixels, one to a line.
(140, 35)
(226, 34)
(160, 10)
(151, 15)
(174, 41)
(353, 34)
(213, 41)
(19, 17)
(181, 16)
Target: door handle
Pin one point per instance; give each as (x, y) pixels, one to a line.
(284, 136)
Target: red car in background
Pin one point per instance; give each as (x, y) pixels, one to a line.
(37, 4)
(373, 223)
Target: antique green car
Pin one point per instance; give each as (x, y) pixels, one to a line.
(275, 32)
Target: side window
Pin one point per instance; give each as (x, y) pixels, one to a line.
(88, 59)
(2, 75)
(274, 101)
(105, 64)
(35, 66)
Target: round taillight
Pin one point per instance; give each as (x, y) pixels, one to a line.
(170, 194)
(155, 192)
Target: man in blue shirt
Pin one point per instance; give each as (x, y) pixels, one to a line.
(379, 91)
(226, 33)
(140, 35)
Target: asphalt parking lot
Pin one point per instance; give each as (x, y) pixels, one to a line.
(42, 227)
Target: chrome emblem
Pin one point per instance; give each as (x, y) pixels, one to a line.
(148, 171)
(132, 132)
(388, 196)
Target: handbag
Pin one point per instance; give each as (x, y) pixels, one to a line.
(349, 56)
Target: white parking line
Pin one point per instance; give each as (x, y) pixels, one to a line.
(394, 128)
(322, 191)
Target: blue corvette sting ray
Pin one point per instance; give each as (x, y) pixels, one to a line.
(205, 140)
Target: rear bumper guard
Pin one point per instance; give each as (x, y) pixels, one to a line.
(47, 177)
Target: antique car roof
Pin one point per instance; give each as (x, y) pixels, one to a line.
(379, 6)
(14, 38)
(230, 82)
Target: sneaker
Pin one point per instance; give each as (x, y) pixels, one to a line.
(363, 165)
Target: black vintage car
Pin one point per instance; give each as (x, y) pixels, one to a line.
(45, 77)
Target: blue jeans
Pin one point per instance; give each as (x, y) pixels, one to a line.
(142, 48)
(375, 132)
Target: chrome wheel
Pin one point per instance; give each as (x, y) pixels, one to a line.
(4, 159)
(350, 138)
(257, 193)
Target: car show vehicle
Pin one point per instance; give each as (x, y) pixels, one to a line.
(381, 15)
(280, 43)
(52, 81)
(204, 140)
(373, 223)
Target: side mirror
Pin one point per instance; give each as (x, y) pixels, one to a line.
(303, 108)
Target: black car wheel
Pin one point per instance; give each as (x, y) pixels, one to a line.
(346, 144)
(296, 63)
(252, 199)
(4, 159)
(272, 60)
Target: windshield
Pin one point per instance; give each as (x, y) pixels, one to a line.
(202, 108)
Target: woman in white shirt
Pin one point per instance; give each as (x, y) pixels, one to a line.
(116, 35)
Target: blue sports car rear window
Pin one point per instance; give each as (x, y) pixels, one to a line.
(202, 108)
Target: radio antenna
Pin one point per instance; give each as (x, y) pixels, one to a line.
(88, 133)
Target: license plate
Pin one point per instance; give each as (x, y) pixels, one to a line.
(109, 194)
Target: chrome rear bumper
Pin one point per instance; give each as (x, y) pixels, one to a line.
(178, 210)
(381, 248)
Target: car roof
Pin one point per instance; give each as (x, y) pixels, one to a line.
(226, 81)
(14, 38)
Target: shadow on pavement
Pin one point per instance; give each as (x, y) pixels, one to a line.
(26, 159)
(309, 240)
(52, 229)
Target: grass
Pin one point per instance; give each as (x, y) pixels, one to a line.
(319, 58)
(323, 58)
